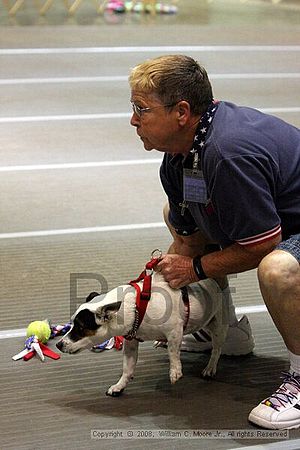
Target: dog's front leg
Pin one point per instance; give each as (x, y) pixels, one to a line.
(174, 343)
(130, 354)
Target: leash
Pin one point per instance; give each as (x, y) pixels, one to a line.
(143, 295)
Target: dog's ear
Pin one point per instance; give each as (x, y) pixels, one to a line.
(85, 319)
(91, 296)
(106, 312)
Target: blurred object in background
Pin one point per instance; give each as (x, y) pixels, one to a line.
(117, 6)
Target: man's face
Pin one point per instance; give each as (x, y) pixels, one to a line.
(157, 128)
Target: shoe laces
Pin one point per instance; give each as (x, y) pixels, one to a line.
(286, 393)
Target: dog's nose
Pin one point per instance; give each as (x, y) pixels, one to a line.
(59, 345)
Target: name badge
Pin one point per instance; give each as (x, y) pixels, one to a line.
(194, 187)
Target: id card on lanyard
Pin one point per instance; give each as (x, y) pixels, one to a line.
(194, 186)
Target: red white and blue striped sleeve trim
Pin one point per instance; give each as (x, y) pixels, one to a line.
(260, 238)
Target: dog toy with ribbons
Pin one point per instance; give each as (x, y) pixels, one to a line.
(59, 330)
(38, 333)
(114, 342)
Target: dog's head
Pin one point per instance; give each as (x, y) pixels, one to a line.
(90, 324)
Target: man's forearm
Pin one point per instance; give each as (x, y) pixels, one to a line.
(187, 246)
(235, 259)
(185, 250)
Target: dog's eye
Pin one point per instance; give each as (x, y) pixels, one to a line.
(81, 330)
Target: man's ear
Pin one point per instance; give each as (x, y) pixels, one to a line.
(106, 312)
(184, 112)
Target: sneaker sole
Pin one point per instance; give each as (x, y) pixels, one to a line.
(271, 425)
(241, 351)
(226, 350)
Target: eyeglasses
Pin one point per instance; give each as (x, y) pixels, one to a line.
(139, 111)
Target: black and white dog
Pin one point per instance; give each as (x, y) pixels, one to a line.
(114, 314)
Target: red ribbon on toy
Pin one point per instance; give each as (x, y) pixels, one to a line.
(46, 351)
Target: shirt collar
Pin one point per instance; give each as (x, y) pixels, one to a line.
(178, 159)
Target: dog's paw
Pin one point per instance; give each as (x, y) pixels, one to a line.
(209, 372)
(114, 391)
(175, 375)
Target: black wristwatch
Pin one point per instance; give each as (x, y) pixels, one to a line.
(198, 268)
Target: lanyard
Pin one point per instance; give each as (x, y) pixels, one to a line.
(203, 127)
(194, 186)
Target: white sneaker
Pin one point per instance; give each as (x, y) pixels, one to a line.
(282, 409)
(239, 340)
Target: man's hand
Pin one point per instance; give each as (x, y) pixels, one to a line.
(177, 270)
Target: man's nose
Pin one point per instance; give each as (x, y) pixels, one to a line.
(135, 120)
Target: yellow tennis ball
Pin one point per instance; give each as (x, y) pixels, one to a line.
(39, 328)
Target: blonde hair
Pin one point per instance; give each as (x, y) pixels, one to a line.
(173, 78)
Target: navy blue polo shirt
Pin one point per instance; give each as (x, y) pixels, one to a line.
(251, 167)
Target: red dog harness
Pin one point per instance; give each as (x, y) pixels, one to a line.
(143, 295)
